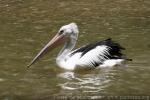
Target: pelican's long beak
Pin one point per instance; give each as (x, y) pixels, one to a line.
(57, 39)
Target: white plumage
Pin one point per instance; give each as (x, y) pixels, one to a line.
(97, 55)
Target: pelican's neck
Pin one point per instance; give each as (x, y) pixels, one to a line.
(69, 45)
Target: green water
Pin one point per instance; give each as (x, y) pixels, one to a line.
(27, 25)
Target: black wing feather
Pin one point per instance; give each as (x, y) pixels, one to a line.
(114, 52)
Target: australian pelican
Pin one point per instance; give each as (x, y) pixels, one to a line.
(102, 53)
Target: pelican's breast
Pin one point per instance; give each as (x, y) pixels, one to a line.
(69, 62)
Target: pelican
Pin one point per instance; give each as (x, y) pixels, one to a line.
(99, 54)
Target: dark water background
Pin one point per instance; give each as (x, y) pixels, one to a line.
(27, 25)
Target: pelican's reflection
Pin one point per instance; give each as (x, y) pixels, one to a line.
(94, 81)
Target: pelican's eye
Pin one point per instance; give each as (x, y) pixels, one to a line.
(61, 32)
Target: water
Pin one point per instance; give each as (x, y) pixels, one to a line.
(27, 25)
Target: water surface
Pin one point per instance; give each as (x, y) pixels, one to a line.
(27, 25)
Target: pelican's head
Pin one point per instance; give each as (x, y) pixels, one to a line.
(70, 30)
(66, 33)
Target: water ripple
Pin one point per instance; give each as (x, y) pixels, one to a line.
(86, 83)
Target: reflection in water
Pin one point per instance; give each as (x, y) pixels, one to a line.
(91, 82)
